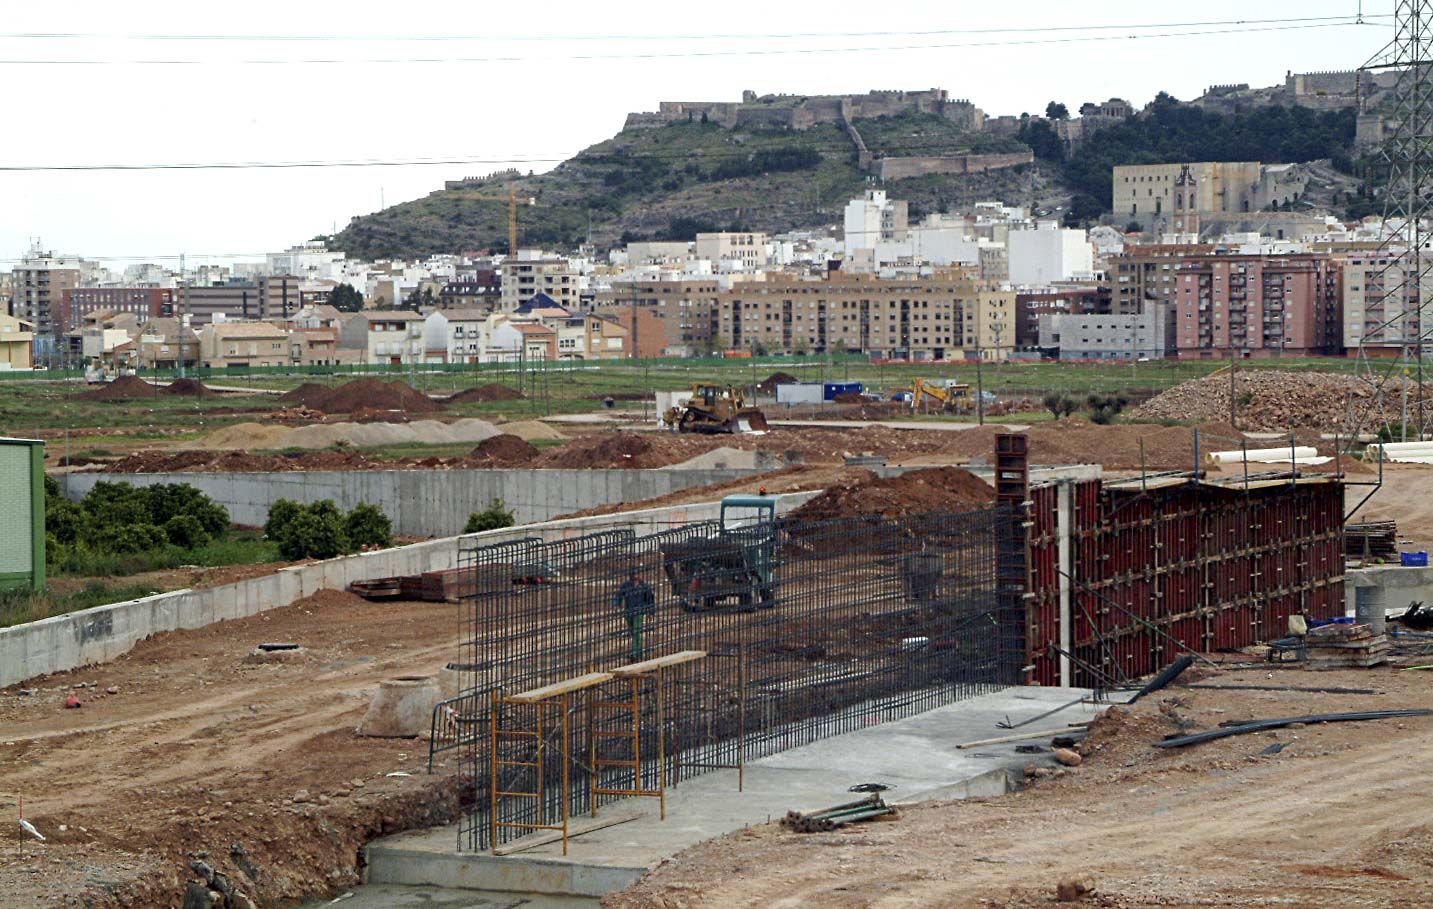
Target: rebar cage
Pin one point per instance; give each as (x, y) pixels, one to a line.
(808, 629)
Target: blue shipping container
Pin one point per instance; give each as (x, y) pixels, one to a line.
(833, 389)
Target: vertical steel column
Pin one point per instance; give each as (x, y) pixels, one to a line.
(1064, 526)
(1012, 555)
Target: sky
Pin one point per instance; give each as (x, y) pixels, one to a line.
(503, 85)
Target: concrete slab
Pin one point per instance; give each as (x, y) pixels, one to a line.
(392, 896)
(917, 757)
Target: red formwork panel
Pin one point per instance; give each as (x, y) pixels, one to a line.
(1195, 565)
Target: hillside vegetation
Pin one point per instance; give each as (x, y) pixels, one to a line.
(674, 181)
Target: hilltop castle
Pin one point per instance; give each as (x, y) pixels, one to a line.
(806, 111)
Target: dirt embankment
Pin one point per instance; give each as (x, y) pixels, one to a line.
(1336, 818)
(182, 749)
(484, 394)
(373, 394)
(933, 489)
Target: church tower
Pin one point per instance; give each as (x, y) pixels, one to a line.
(1186, 203)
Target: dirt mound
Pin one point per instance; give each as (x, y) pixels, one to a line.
(485, 393)
(192, 388)
(122, 389)
(531, 430)
(1277, 399)
(768, 385)
(505, 449)
(305, 394)
(362, 394)
(1119, 446)
(618, 449)
(913, 492)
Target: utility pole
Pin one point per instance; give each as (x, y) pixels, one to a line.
(1232, 368)
(179, 316)
(979, 372)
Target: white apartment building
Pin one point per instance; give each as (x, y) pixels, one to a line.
(1048, 254)
(874, 219)
(457, 335)
(393, 337)
(312, 260)
(1375, 301)
(747, 251)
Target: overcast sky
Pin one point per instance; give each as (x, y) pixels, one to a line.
(555, 93)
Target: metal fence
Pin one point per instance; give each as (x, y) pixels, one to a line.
(808, 630)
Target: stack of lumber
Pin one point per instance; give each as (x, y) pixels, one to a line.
(432, 586)
(1345, 647)
(1375, 540)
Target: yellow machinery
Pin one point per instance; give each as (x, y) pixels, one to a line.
(953, 397)
(714, 409)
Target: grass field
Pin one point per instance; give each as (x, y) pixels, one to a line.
(52, 407)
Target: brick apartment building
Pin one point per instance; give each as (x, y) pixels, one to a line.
(145, 302)
(1259, 305)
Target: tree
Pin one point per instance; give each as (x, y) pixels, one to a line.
(495, 517)
(315, 532)
(1042, 139)
(367, 525)
(1059, 405)
(345, 298)
(1057, 111)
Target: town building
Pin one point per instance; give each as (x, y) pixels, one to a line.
(144, 302)
(480, 290)
(874, 219)
(243, 344)
(275, 298)
(1145, 274)
(1257, 306)
(457, 335)
(1145, 193)
(529, 274)
(1049, 254)
(1377, 316)
(585, 336)
(17, 342)
(1032, 304)
(682, 319)
(747, 251)
(1107, 336)
(37, 287)
(163, 341)
(392, 337)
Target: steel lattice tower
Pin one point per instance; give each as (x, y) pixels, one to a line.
(1408, 198)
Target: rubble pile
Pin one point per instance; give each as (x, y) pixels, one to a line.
(122, 389)
(1278, 399)
(361, 393)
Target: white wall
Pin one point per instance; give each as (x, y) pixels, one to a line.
(1049, 254)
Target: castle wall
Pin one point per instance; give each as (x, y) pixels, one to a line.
(904, 168)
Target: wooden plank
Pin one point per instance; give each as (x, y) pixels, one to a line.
(576, 828)
(662, 662)
(566, 686)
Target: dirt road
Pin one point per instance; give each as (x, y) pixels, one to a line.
(181, 748)
(1341, 817)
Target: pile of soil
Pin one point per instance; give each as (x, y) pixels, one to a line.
(122, 389)
(486, 393)
(191, 388)
(914, 492)
(374, 394)
(610, 450)
(768, 385)
(505, 449)
(1116, 446)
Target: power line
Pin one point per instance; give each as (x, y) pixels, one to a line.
(685, 54)
(1036, 29)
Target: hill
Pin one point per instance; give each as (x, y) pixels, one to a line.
(681, 178)
(685, 176)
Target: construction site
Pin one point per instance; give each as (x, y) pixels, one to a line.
(720, 633)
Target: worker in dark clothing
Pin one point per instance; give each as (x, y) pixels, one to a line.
(637, 601)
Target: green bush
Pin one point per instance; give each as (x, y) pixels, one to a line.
(66, 521)
(186, 531)
(367, 525)
(127, 538)
(314, 533)
(280, 514)
(113, 504)
(52, 487)
(168, 500)
(496, 516)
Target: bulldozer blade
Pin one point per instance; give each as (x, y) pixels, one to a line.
(752, 421)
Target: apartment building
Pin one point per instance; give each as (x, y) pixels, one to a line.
(393, 337)
(1146, 274)
(1259, 305)
(1377, 314)
(1107, 336)
(482, 290)
(1031, 305)
(874, 219)
(272, 298)
(684, 313)
(37, 288)
(163, 341)
(457, 335)
(584, 336)
(1048, 254)
(747, 249)
(17, 342)
(243, 344)
(145, 302)
(917, 319)
(530, 274)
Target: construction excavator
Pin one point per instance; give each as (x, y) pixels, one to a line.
(952, 397)
(715, 409)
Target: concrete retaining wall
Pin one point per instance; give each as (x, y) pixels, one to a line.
(425, 503)
(105, 632)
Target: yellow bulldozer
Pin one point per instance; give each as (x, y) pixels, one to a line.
(952, 397)
(715, 409)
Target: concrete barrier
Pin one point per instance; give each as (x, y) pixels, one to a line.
(1402, 586)
(425, 503)
(105, 632)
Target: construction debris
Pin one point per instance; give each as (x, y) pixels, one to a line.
(1273, 399)
(1371, 541)
(864, 809)
(1198, 738)
(935, 489)
(1338, 646)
